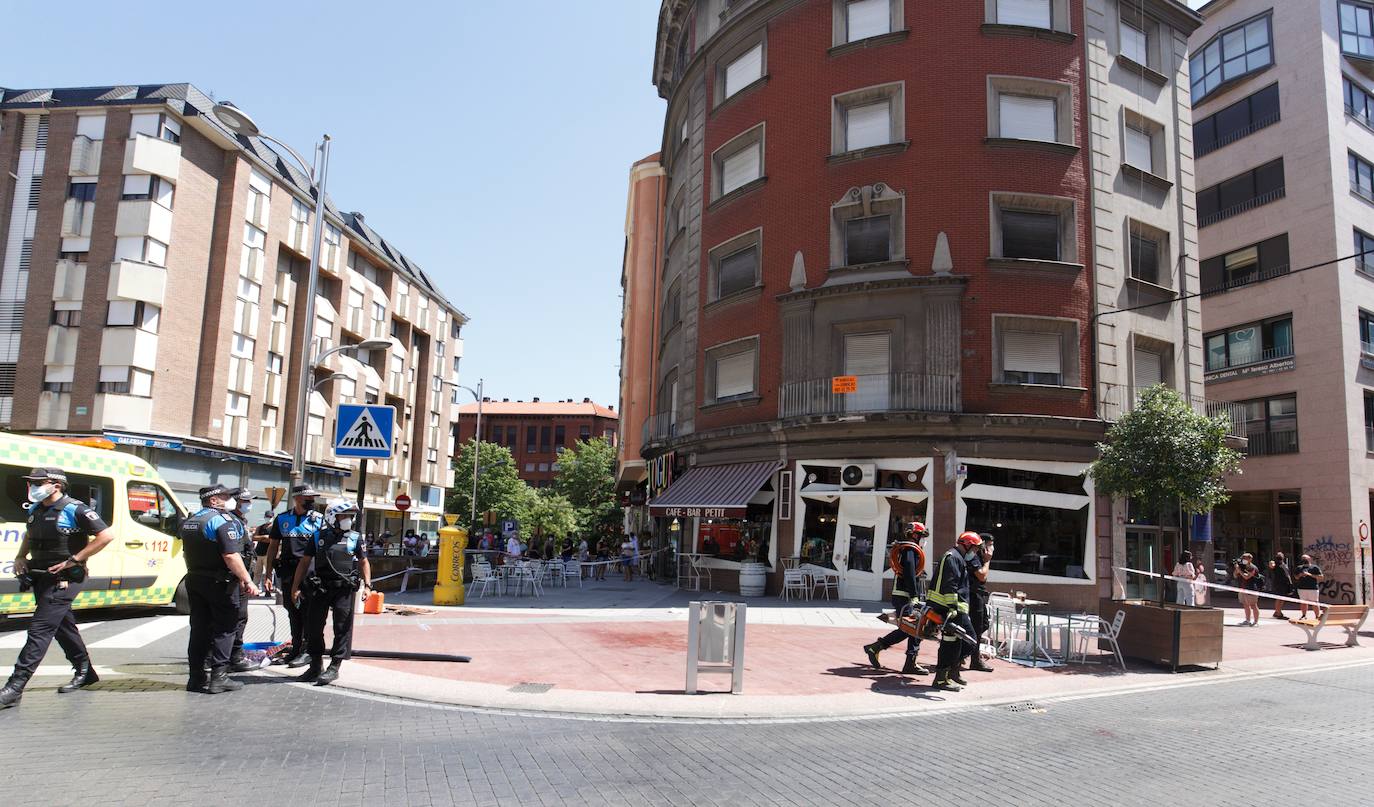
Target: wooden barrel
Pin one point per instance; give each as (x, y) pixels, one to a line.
(752, 578)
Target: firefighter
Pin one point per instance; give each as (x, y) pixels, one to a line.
(949, 593)
(907, 560)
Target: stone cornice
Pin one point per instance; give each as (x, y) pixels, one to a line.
(867, 286)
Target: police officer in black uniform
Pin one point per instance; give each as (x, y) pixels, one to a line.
(243, 499)
(62, 535)
(211, 541)
(341, 566)
(287, 539)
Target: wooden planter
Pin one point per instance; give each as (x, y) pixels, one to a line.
(1170, 635)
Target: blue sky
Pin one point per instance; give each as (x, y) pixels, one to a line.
(490, 141)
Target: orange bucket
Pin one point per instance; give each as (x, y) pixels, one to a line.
(373, 603)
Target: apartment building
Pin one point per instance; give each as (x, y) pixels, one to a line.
(535, 431)
(884, 297)
(154, 270)
(1283, 97)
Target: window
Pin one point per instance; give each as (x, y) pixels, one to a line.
(867, 118)
(1361, 176)
(1230, 55)
(584, 433)
(58, 378)
(1030, 109)
(139, 187)
(1357, 30)
(868, 240)
(120, 380)
(1031, 357)
(138, 314)
(81, 191)
(739, 162)
(1147, 256)
(1041, 519)
(67, 319)
(1027, 234)
(735, 265)
(248, 290)
(731, 370)
(743, 70)
(143, 250)
(95, 491)
(1250, 344)
(672, 308)
(867, 125)
(1139, 148)
(1027, 117)
(544, 445)
(1239, 120)
(154, 508)
(1147, 369)
(560, 436)
(1366, 332)
(866, 18)
(1256, 187)
(274, 363)
(1364, 247)
(531, 439)
(1271, 425)
(1135, 43)
(511, 432)
(1240, 267)
(1029, 13)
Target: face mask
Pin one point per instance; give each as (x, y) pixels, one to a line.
(38, 493)
(225, 505)
(969, 554)
(346, 523)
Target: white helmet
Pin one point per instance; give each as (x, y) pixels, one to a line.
(339, 507)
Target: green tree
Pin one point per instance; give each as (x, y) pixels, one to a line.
(586, 476)
(1162, 454)
(546, 513)
(499, 487)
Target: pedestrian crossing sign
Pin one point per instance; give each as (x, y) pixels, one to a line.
(365, 431)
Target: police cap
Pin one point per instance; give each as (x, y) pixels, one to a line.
(211, 491)
(47, 475)
(304, 490)
(242, 494)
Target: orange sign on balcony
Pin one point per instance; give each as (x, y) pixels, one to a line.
(841, 384)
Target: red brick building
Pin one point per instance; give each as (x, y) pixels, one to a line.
(888, 230)
(535, 431)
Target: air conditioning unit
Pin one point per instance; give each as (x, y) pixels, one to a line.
(859, 476)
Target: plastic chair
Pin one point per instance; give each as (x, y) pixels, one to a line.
(572, 570)
(825, 580)
(1106, 631)
(794, 582)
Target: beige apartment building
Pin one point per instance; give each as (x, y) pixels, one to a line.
(154, 275)
(1283, 130)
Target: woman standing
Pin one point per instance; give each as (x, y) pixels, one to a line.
(1247, 577)
(1185, 570)
(1280, 582)
(1200, 585)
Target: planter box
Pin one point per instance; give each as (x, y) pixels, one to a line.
(1170, 635)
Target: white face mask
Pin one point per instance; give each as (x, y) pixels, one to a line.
(346, 523)
(38, 493)
(969, 554)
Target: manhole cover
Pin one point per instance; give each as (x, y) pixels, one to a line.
(529, 688)
(1027, 706)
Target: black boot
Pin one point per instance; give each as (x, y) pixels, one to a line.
(85, 676)
(221, 682)
(872, 651)
(943, 680)
(197, 679)
(330, 675)
(303, 660)
(13, 690)
(310, 674)
(957, 678)
(239, 663)
(912, 668)
(977, 664)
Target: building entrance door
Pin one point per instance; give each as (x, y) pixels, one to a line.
(1142, 552)
(860, 546)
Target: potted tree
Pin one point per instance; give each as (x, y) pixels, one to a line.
(1162, 454)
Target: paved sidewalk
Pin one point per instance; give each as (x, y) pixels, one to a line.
(620, 649)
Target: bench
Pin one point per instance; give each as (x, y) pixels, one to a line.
(1350, 617)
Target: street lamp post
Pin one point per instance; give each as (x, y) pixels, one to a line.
(476, 442)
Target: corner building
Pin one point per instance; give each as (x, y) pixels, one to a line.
(935, 211)
(153, 289)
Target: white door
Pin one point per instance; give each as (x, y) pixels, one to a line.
(869, 357)
(860, 543)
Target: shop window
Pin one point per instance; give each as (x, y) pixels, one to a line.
(818, 533)
(1039, 519)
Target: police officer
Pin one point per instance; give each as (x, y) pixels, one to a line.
(211, 542)
(62, 534)
(341, 566)
(908, 566)
(243, 499)
(950, 593)
(978, 615)
(290, 533)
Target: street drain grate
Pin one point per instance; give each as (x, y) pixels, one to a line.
(1027, 707)
(528, 688)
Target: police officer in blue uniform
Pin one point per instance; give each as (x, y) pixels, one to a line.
(340, 567)
(290, 533)
(211, 542)
(243, 499)
(62, 534)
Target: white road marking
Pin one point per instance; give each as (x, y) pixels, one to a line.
(61, 670)
(15, 639)
(144, 634)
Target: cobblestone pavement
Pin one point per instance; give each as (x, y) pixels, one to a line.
(140, 740)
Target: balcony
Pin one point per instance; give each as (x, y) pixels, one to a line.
(152, 155)
(129, 347)
(1270, 360)
(61, 346)
(662, 426)
(132, 280)
(123, 412)
(1245, 278)
(69, 284)
(52, 410)
(1115, 400)
(1236, 209)
(887, 392)
(1266, 444)
(85, 160)
(144, 218)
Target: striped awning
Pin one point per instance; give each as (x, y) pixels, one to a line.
(713, 491)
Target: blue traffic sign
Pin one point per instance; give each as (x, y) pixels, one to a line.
(365, 431)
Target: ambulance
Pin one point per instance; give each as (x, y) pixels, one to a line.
(142, 567)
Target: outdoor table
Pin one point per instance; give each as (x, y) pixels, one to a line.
(1039, 653)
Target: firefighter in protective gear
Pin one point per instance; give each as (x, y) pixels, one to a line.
(908, 560)
(62, 534)
(340, 568)
(949, 593)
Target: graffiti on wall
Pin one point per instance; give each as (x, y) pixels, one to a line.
(1332, 555)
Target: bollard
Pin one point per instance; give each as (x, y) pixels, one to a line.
(448, 587)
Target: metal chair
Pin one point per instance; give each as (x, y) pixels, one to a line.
(794, 582)
(481, 573)
(532, 573)
(572, 570)
(826, 580)
(1106, 631)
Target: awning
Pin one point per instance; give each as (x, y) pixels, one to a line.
(713, 491)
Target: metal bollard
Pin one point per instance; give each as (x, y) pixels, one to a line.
(715, 642)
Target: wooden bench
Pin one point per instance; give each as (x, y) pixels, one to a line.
(1350, 617)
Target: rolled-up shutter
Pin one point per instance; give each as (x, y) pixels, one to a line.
(744, 71)
(1026, 117)
(1031, 352)
(1149, 369)
(740, 168)
(1034, 13)
(868, 18)
(735, 375)
(868, 125)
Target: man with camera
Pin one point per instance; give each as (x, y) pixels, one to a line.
(62, 535)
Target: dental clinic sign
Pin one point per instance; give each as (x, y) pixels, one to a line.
(1262, 368)
(698, 512)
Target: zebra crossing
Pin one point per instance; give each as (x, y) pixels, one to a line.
(113, 641)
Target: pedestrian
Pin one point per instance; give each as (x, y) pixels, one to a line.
(512, 549)
(908, 560)
(1247, 577)
(627, 558)
(1280, 582)
(1309, 585)
(212, 544)
(1185, 570)
(290, 532)
(949, 595)
(60, 537)
(340, 569)
(240, 503)
(979, 567)
(1200, 585)
(603, 558)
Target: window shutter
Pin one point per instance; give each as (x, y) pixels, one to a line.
(1034, 13)
(1139, 152)
(62, 374)
(740, 168)
(868, 18)
(114, 373)
(868, 125)
(735, 375)
(1134, 44)
(744, 71)
(737, 272)
(867, 354)
(1031, 352)
(1027, 118)
(1149, 369)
